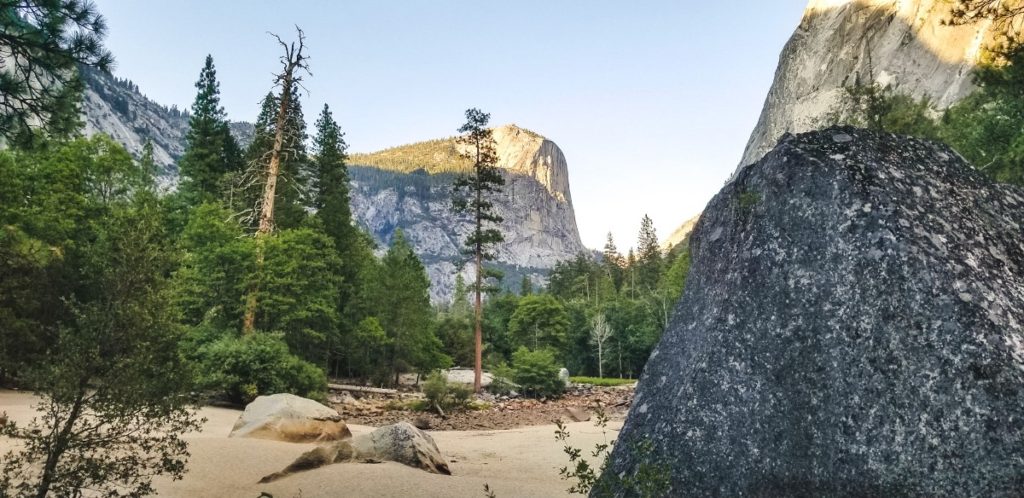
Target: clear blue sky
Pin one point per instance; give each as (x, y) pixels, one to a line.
(651, 101)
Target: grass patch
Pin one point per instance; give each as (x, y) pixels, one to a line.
(601, 381)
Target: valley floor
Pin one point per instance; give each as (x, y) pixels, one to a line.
(515, 463)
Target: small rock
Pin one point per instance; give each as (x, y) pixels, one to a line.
(840, 138)
(422, 423)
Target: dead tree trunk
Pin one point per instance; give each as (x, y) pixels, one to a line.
(292, 61)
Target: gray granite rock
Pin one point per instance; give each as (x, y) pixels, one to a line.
(852, 325)
(905, 44)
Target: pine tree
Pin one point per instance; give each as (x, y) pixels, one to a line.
(648, 256)
(613, 262)
(330, 183)
(404, 310)
(525, 286)
(46, 41)
(471, 194)
(147, 163)
(460, 299)
(329, 192)
(210, 150)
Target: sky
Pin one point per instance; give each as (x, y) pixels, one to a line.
(651, 101)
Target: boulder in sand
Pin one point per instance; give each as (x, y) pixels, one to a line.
(400, 443)
(852, 325)
(286, 417)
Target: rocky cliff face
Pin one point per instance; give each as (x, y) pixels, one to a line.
(119, 109)
(411, 191)
(539, 227)
(902, 43)
(680, 235)
(852, 325)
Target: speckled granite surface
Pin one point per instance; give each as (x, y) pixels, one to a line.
(853, 325)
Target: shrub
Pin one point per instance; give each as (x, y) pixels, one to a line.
(501, 380)
(536, 372)
(242, 368)
(444, 396)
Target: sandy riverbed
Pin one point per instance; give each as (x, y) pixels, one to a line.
(515, 463)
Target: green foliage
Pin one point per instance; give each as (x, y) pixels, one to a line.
(536, 372)
(52, 204)
(433, 156)
(884, 109)
(403, 307)
(216, 265)
(442, 395)
(242, 368)
(298, 291)
(650, 480)
(456, 334)
(748, 199)
(637, 312)
(46, 41)
(366, 350)
(102, 352)
(501, 379)
(985, 126)
(539, 321)
(602, 381)
(649, 260)
(211, 152)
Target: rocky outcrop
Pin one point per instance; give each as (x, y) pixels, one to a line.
(286, 417)
(839, 43)
(117, 108)
(680, 235)
(539, 223)
(400, 443)
(852, 325)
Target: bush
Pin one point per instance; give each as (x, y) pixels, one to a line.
(242, 368)
(501, 380)
(536, 372)
(444, 396)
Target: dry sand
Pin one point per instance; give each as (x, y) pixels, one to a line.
(515, 463)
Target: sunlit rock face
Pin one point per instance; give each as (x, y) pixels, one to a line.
(839, 43)
(539, 223)
(852, 325)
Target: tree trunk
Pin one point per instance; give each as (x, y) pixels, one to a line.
(60, 442)
(266, 226)
(478, 336)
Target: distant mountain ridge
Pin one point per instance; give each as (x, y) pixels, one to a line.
(405, 187)
(409, 188)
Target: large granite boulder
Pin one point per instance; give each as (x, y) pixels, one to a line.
(852, 325)
(287, 417)
(400, 443)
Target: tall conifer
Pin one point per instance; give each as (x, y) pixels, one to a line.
(472, 194)
(210, 150)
